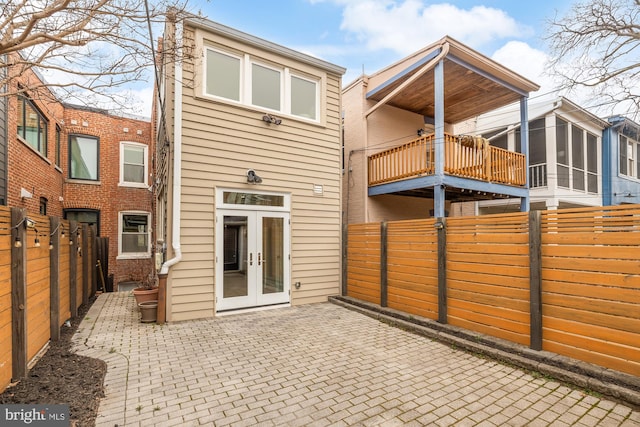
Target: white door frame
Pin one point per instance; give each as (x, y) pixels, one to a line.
(254, 267)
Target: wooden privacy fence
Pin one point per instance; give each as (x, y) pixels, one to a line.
(565, 281)
(46, 273)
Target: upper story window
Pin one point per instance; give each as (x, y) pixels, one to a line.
(84, 157)
(133, 164)
(629, 157)
(240, 78)
(32, 126)
(223, 75)
(58, 136)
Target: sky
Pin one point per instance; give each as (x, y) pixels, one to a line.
(370, 34)
(367, 35)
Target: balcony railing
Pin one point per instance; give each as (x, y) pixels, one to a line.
(467, 157)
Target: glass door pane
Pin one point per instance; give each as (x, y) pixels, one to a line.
(235, 281)
(273, 255)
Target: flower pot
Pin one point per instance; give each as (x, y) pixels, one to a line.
(148, 311)
(144, 294)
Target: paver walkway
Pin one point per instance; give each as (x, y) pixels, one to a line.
(312, 365)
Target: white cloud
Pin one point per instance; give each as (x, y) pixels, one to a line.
(404, 26)
(528, 62)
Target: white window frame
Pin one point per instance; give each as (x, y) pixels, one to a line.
(246, 80)
(249, 88)
(242, 94)
(133, 255)
(317, 93)
(145, 154)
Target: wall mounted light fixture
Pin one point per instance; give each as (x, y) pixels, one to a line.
(271, 119)
(252, 177)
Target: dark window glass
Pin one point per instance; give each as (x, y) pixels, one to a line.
(84, 216)
(562, 146)
(563, 176)
(58, 132)
(499, 141)
(43, 205)
(32, 126)
(623, 155)
(537, 142)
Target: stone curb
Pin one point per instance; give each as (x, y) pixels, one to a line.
(621, 386)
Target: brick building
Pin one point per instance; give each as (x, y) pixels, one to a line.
(83, 164)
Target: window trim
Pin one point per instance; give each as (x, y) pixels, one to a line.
(317, 94)
(246, 81)
(241, 91)
(145, 155)
(134, 255)
(97, 139)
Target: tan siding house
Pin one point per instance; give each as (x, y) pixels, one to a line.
(254, 150)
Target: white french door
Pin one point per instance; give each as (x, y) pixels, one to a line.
(252, 269)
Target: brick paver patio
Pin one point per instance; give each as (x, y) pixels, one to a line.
(313, 365)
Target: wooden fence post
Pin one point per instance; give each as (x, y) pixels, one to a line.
(86, 263)
(383, 264)
(535, 279)
(93, 260)
(345, 257)
(18, 293)
(441, 227)
(54, 282)
(73, 270)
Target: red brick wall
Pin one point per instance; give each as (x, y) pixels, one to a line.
(28, 169)
(106, 195)
(39, 175)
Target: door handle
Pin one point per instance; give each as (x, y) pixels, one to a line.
(259, 258)
(251, 258)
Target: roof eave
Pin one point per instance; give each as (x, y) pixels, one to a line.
(232, 33)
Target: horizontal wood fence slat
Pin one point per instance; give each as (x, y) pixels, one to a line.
(363, 252)
(37, 289)
(587, 269)
(413, 267)
(6, 349)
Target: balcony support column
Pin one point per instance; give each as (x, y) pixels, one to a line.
(438, 190)
(524, 139)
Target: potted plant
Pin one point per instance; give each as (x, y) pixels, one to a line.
(147, 291)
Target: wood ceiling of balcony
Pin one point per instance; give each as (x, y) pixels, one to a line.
(466, 93)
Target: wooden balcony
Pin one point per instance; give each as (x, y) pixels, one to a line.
(466, 157)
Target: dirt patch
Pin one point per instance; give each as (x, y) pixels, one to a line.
(62, 377)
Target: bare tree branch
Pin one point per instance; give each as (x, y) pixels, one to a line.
(99, 46)
(597, 46)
